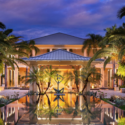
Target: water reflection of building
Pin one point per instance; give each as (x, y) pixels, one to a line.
(12, 112)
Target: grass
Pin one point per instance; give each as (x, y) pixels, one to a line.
(107, 100)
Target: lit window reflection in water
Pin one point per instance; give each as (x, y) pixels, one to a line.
(67, 109)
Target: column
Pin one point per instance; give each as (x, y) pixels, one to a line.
(16, 77)
(0, 80)
(113, 112)
(81, 84)
(33, 86)
(33, 53)
(85, 52)
(26, 72)
(102, 115)
(119, 113)
(119, 82)
(6, 76)
(103, 77)
(50, 50)
(80, 102)
(16, 112)
(67, 49)
(113, 72)
(5, 113)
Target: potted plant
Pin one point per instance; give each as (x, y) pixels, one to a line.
(122, 88)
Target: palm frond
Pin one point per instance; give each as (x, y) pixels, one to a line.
(121, 12)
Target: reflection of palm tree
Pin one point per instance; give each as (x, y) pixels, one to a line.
(85, 110)
(87, 113)
(71, 110)
(46, 112)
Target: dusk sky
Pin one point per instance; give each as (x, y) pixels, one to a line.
(37, 18)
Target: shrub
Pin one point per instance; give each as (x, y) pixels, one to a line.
(121, 121)
(122, 86)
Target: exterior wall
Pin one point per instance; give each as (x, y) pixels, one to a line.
(78, 51)
(42, 51)
(22, 72)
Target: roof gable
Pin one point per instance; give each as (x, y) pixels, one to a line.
(59, 39)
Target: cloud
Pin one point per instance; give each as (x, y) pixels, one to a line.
(35, 18)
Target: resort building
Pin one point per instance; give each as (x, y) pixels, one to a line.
(62, 51)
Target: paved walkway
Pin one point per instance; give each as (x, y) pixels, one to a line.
(9, 92)
(111, 93)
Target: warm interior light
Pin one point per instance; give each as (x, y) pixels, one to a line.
(92, 86)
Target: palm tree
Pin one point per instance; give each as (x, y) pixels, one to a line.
(70, 76)
(32, 46)
(9, 50)
(50, 74)
(91, 42)
(121, 12)
(33, 76)
(13, 47)
(112, 46)
(89, 75)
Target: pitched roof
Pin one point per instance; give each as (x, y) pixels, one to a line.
(59, 55)
(59, 39)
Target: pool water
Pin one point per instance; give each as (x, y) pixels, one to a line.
(65, 109)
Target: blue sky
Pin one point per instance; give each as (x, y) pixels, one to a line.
(37, 18)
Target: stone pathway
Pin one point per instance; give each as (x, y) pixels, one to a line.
(9, 92)
(111, 93)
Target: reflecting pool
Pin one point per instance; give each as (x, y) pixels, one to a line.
(65, 109)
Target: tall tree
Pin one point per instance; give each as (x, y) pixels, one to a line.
(89, 75)
(32, 47)
(91, 43)
(9, 51)
(72, 76)
(34, 76)
(50, 74)
(112, 46)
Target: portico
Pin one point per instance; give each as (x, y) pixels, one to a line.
(63, 60)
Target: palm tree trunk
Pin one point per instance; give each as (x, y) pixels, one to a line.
(77, 87)
(113, 72)
(48, 86)
(6, 76)
(39, 87)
